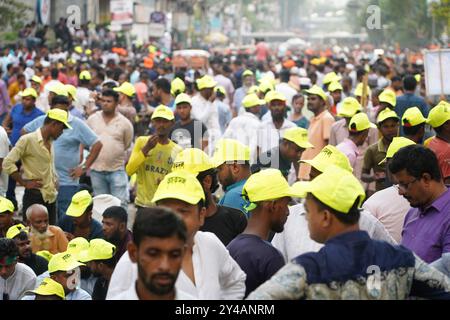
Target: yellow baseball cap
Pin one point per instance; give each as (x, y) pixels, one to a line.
(266, 86)
(335, 86)
(229, 150)
(247, 73)
(359, 90)
(350, 107)
(252, 100)
(360, 122)
(99, 249)
(274, 95)
(78, 49)
(192, 160)
(331, 77)
(316, 90)
(6, 205)
(388, 96)
(77, 245)
(418, 77)
(163, 112)
(183, 98)
(36, 79)
(220, 89)
(80, 202)
(47, 255)
(206, 82)
(15, 230)
(59, 115)
(396, 144)
(72, 91)
(413, 117)
(386, 114)
(253, 89)
(127, 89)
(85, 75)
(63, 261)
(177, 86)
(337, 188)
(29, 92)
(59, 90)
(328, 156)
(50, 287)
(88, 52)
(266, 185)
(180, 185)
(316, 61)
(299, 136)
(439, 114)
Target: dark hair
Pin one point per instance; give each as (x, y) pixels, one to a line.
(163, 84)
(54, 73)
(284, 75)
(8, 248)
(60, 100)
(297, 96)
(349, 218)
(416, 160)
(109, 85)
(215, 181)
(396, 78)
(111, 93)
(21, 236)
(409, 83)
(158, 223)
(116, 213)
(411, 131)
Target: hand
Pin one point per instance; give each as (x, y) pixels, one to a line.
(380, 176)
(77, 172)
(151, 143)
(33, 184)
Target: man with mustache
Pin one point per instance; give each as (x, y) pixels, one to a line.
(115, 229)
(44, 236)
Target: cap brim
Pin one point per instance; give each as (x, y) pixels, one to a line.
(314, 164)
(74, 211)
(178, 196)
(68, 126)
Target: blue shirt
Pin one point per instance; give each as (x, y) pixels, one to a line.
(19, 119)
(76, 113)
(67, 146)
(409, 100)
(232, 197)
(66, 223)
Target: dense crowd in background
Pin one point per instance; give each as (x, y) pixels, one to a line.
(255, 173)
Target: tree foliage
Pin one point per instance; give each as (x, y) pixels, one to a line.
(12, 13)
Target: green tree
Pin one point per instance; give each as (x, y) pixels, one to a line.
(12, 13)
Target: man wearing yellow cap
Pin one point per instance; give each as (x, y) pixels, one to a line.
(188, 132)
(269, 211)
(391, 213)
(78, 221)
(127, 94)
(6, 216)
(413, 124)
(35, 151)
(116, 132)
(319, 128)
(335, 89)
(248, 79)
(244, 126)
(387, 99)
(388, 124)
(342, 269)
(19, 233)
(15, 278)
(153, 156)
(208, 271)
(84, 92)
(48, 290)
(439, 119)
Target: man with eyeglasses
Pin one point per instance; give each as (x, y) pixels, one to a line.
(426, 229)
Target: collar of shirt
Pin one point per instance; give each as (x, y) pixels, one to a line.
(250, 115)
(39, 135)
(353, 145)
(269, 123)
(349, 237)
(381, 146)
(438, 204)
(236, 185)
(319, 116)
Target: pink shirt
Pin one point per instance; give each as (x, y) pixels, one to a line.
(350, 149)
(442, 150)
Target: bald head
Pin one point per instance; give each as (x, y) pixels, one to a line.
(37, 215)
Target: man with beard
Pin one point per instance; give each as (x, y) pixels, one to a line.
(232, 160)
(158, 249)
(161, 92)
(101, 261)
(127, 92)
(319, 129)
(78, 221)
(115, 229)
(426, 230)
(19, 234)
(44, 236)
(269, 195)
(153, 156)
(388, 125)
(35, 151)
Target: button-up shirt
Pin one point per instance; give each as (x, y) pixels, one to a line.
(269, 136)
(350, 149)
(37, 163)
(427, 230)
(372, 158)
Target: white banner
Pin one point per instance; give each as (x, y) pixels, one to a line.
(437, 72)
(122, 12)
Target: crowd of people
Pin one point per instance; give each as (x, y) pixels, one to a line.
(258, 176)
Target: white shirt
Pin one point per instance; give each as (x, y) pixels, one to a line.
(391, 213)
(82, 100)
(287, 91)
(131, 294)
(4, 150)
(206, 112)
(269, 136)
(217, 275)
(244, 128)
(295, 239)
(22, 280)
